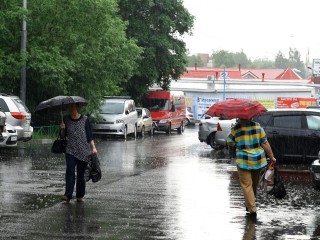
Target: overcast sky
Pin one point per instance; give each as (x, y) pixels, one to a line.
(261, 28)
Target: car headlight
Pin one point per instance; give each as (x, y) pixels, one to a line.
(119, 121)
(163, 121)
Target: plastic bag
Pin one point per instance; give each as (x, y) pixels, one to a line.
(266, 182)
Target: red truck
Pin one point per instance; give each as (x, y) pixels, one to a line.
(167, 108)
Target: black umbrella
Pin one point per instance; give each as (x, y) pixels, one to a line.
(60, 103)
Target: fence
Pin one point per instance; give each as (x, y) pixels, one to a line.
(46, 131)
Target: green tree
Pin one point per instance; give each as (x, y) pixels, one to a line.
(10, 44)
(223, 58)
(74, 48)
(193, 60)
(281, 61)
(158, 27)
(262, 63)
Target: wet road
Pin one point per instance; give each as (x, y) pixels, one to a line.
(164, 187)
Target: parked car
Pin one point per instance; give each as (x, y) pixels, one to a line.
(18, 115)
(145, 123)
(223, 131)
(8, 134)
(315, 172)
(9, 137)
(117, 116)
(189, 117)
(294, 134)
(208, 127)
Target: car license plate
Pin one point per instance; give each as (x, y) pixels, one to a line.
(317, 175)
(13, 138)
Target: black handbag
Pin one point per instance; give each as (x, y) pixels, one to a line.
(93, 170)
(279, 191)
(59, 146)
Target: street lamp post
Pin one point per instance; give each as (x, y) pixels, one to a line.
(23, 72)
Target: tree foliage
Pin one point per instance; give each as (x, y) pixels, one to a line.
(193, 60)
(294, 61)
(157, 25)
(223, 58)
(74, 48)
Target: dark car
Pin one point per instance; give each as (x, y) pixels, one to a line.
(294, 134)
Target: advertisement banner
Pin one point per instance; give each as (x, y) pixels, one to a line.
(287, 102)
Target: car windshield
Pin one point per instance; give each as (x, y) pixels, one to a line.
(112, 108)
(155, 103)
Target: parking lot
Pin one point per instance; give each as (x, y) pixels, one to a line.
(160, 187)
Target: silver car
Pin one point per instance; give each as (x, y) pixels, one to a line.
(18, 116)
(117, 116)
(207, 130)
(145, 123)
(189, 116)
(223, 131)
(8, 134)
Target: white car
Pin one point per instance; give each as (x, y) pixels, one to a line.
(8, 134)
(223, 131)
(189, 116)
(117, 116)
(18, 116)
(9, 137)
(207, 131)
(145, 123)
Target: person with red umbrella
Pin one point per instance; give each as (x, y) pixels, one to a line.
(251, 144)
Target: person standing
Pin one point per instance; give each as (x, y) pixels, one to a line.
(80, 144)
(251, 144)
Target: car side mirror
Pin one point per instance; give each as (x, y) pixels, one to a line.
(127, 112)
(172, 108)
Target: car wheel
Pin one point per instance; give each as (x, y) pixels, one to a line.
(142, 132)
(151, 131)
(168, 131)
(187, 122)
(213, 143)
(180, 129)
(135, 132)
(125, 133)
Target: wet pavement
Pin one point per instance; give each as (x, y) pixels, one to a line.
(160, 187)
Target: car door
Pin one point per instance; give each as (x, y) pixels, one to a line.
(147, 120)
(312, 141)
(286, 136)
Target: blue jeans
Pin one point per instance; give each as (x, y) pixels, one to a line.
(72, 163)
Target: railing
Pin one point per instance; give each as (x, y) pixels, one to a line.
(45, 131)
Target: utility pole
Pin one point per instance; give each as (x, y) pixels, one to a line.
(23, 72)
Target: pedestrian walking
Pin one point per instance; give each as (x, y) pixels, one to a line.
(80, 144)
(251, 144)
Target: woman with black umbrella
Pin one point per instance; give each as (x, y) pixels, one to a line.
(77, 129)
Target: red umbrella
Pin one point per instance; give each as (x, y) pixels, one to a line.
(236, 108)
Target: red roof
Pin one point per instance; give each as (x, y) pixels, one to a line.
(243, 73)
(288, 74)
(205, 72)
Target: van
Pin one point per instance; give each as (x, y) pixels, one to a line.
(117, 116)
(167, 108)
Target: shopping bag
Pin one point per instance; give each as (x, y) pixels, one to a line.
(278, 190)
(266, 181)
